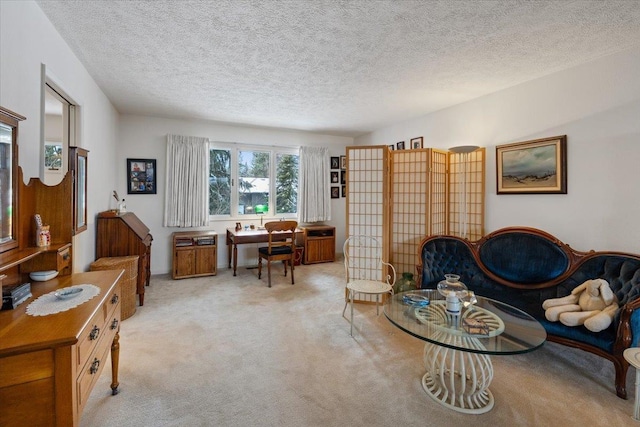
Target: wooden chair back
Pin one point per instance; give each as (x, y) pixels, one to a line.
(276, 239)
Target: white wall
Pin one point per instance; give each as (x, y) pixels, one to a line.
(27, 40)
(597, 106)
(145, 137)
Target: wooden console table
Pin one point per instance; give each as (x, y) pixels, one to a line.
(50, 364)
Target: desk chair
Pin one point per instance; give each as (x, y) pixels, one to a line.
(282, 247)
(366, 271)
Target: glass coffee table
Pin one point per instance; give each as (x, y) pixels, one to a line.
(458, 363)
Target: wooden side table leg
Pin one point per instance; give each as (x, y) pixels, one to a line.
(235, 258)
(115, 359)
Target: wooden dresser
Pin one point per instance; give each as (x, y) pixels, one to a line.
(50, 364)
(123, 235)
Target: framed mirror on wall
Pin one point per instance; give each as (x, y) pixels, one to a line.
(78, 164)
(8, 179)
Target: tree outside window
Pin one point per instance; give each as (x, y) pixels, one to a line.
(254, 174)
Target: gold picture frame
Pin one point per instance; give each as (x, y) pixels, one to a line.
(532, 167)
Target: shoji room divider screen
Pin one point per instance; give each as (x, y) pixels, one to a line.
(401, 196)
(368, 200)
(419, 202)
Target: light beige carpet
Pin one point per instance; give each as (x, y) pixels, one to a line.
(228, 351)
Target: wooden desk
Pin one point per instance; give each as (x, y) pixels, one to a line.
(49, 364)
(240, 237)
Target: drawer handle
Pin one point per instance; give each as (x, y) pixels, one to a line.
(114, 299)
(94, 333)
(114, 324)
(94, 366)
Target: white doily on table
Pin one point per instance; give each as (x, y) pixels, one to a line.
(50, 304)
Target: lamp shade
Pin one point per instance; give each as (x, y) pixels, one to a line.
(462, 149)
(261, 209)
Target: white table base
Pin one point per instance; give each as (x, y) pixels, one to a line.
(458, 379)
(633, 357)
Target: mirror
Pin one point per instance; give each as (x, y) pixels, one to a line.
(57, 122)
(78, 164)
(8, 178)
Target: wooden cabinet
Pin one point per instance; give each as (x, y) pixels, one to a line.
(50, 364)
(124, 235)
(194, 254)
(319, 242)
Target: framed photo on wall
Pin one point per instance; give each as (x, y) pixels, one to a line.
(400, 145)
(344, 191)
(335, 162)
(335, 192)
(343, 162)
(141, 176)
(416, 142)
(532, 167)
(334, 177)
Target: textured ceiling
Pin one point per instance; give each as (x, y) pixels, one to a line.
(336, 67)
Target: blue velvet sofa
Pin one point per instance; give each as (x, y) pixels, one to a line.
(525, 266)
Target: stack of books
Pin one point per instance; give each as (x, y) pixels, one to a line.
(13, 296)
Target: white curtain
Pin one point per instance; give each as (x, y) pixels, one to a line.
(186, 199)
(315, 191)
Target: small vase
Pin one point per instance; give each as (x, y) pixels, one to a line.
(405, 283)
(452, 284)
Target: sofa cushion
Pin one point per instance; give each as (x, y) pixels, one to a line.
(523, 258)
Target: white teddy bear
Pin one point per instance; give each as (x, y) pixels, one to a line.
(593, 304)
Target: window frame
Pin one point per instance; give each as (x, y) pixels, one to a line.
(234, 149)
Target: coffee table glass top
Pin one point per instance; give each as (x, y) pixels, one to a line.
(508, 330)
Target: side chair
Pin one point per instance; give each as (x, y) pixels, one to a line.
(366, 271)
(282, 246)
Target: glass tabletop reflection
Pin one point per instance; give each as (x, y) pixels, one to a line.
(510, 331)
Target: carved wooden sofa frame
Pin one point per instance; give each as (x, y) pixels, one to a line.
(524, 266)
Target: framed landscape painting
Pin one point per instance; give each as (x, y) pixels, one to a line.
(532, 167)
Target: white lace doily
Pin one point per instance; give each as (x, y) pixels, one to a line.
(49, 304)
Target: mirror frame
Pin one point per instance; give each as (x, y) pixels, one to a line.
(79, 164)
(12, 119)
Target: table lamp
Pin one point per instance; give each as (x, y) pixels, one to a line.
(261, 210)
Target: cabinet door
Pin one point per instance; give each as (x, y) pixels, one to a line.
(328, 252)
(184, 262)
(205, 260)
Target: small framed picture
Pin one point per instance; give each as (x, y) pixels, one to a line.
(238, 226)
(344, 191)
(400, 145)
(343, 162)
(343, 177)
(335, 192)
(334, 177)
(392, 147)
(416, 142)
(141, 176)
(335, 162)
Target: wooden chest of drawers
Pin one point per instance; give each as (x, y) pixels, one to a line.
(49, 364)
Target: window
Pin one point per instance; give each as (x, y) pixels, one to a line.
(219, 182)
(252, 181)
(52, 155)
